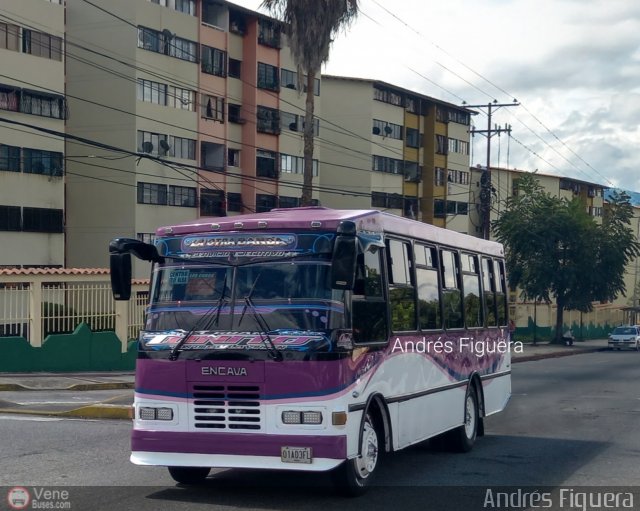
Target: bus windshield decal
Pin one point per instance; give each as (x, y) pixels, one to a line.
(246, 245)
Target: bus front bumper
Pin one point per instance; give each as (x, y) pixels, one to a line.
(229, 450)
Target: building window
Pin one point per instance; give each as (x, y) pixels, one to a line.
(212, 156)
(41, 44)
(9, 158)
(233, 157)
(185, 6)
(155, 144)
(47, 163)
(214, 14)
(293, 122)
(45, 105)
(387, 96)
(413, 137)
(288, 202)
(268, 120)
(265, 203)
(289, 79)
(269, 33)
(235, 68)
(458, 176)
(387, 129)
(237, 23)
(235, 113)
(266, 164)
(441, 144)
(9, 98)
(10, 218)
(386, 200)
(181, 196)
(184, 148)
(213, 108)
(160, 42)
(268, 77)
(183, 99)
(295, 164)
(439, 208)
(212, 203)
(9, 36)
(439, 176)
(387, 164)
(412, 171)
(152, 193)
(234, 202)
(42, 220)
(152, 92)
(214, 61)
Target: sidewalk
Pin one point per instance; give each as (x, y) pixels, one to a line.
(110, 395)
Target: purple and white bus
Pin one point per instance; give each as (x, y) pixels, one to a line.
(313, 339)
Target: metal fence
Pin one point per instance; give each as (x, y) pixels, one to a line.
(36, 303)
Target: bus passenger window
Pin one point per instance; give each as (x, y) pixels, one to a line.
(488, 284)
(471, 284)
(451, 292)
(401, 290)
(501, 292)
(429, 312)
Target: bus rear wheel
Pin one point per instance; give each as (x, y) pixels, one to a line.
(354, 476)
(189, 475)
(463, 437)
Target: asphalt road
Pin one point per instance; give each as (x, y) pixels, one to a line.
(572, 423)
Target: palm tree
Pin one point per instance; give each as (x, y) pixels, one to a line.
(310, 26)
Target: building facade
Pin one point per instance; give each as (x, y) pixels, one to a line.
(393, 149)
(32, 110)
(196, 110)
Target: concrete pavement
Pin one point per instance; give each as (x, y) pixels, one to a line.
(108, 395)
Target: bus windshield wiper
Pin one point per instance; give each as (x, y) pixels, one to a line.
(203, 323)
(264, 329)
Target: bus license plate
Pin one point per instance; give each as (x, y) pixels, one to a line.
(295, 454)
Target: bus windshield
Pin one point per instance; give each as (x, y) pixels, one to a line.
(291, 296)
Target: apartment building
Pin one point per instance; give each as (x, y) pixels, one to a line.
(195, 110)
(31, 161)
(394, 149)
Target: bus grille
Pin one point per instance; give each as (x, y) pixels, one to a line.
(226, 407)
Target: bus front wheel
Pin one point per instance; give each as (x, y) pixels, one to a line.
(354, 476)
(189, 475)
(463, 437)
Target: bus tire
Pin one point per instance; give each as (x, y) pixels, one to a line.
(463, 437)
(354, 476)
(189, 475)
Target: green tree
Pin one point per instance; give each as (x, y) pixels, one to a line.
(310, 26)
(555, 250)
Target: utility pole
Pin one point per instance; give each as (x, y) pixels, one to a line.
(485, 179)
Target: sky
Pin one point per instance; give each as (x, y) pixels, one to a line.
(573, 65)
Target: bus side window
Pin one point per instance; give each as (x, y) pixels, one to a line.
(369, 310)
(401, 289)
(429, 312)
(451, 292)
(501, 292)
(489, 288)
(471, 285)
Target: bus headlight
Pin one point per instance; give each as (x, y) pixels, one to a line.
(306, 417)
(148, 413)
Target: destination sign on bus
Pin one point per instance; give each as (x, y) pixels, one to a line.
(239, 242)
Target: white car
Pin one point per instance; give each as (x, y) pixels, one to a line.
(625, 337)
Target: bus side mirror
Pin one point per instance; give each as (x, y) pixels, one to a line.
(343, 267)
(120, 276)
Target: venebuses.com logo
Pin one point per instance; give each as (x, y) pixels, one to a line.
(18, 497)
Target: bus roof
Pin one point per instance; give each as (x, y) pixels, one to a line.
(326, 219)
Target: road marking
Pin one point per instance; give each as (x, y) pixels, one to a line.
(35, 418)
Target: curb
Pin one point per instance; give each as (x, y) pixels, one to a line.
(86, 412)
(12, 387)
(557, 354)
